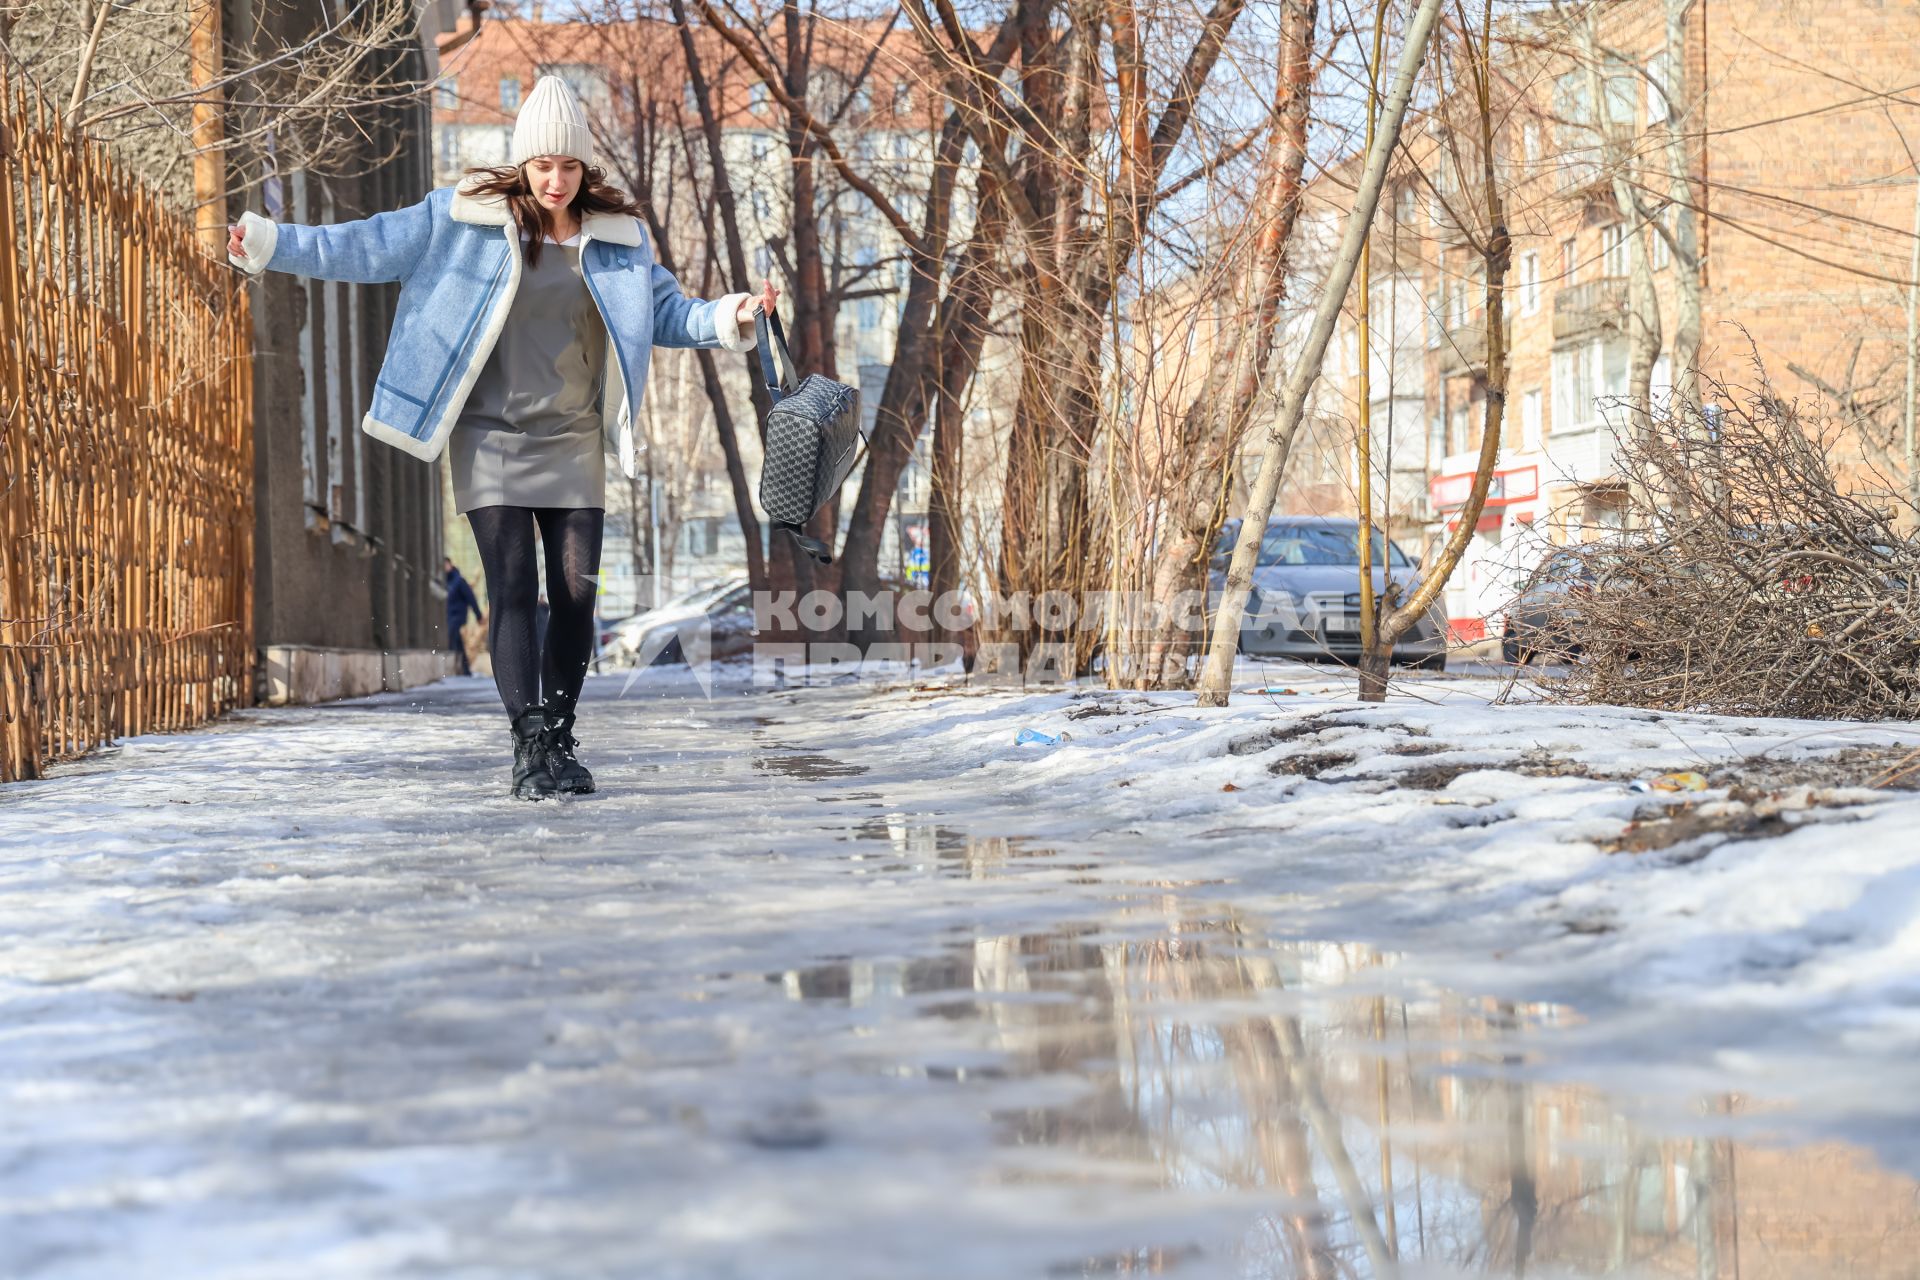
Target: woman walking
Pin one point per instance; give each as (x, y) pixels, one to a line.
(530, 301)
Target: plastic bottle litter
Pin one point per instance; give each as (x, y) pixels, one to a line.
(1671, 783)
(1026, 736)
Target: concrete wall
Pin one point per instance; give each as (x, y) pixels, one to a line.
(347, 540)
(300, 674)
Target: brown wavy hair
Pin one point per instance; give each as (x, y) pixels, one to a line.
(596, 195)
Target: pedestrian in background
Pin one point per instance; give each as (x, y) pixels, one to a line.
(530, 301)
(460, 603)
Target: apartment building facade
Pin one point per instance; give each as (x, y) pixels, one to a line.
(1803, 195)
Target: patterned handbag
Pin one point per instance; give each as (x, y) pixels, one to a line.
(813, 439)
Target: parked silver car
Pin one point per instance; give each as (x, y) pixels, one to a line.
(1305, 602)
(715, 621)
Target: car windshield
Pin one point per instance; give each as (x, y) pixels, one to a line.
(1307, 544)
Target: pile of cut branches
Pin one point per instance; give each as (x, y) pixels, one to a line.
(1761, 573)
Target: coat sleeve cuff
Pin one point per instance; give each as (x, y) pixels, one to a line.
(735, 334)
(262, 236)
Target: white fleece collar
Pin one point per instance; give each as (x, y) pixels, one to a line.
(492, 211)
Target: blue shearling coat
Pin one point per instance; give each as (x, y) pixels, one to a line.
(457, 259)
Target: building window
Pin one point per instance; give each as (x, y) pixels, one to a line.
(902, 97)
(1613, 250)
(1433, 319)
(1569, 261)
(510, 93)
(1530, 141)
(449, 148)
(690, 100)
(757, 97)
(1530, 283)
(760, 207)
(899, 146)
(1583, 377)
(1530, 422)
(447, 95)
(1661, 254)
(1457, 317)
(869, 313)
(763, 262)
(1462, 426)
(758, 146)
(1407, 205)
(1621, 90)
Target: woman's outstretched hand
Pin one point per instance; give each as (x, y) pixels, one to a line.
(235, 234)
(764, 303)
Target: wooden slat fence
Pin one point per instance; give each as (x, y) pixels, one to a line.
(126, 455)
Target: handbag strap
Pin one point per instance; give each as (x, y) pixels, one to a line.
(819, 550)
(763, 322)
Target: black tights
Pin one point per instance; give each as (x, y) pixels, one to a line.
(522, 666)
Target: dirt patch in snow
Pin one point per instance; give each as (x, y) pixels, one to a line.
(1746, 814)
(1432, 777)
(1252, 744)
(1886, 767)
(1310, 764)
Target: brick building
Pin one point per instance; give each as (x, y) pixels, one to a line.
(1795, 139)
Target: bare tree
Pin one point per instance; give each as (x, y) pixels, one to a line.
(1216, 680)
(1194, 487)
(193, 104)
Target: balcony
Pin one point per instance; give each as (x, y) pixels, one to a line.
(1587, 455)
(1595, 306)
(1463, 352)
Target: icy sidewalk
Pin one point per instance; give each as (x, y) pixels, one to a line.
(1506, 845)
(838, 982)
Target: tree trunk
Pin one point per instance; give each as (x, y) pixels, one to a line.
(1680, 192)
(963, 337)
(726, 208)
(1495, 255)
(1217, 679)
(1207, 445)
(207, 66)
(1643, 304)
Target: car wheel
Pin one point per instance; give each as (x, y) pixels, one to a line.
(1511, 650)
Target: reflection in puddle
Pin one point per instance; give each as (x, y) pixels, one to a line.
(807, 768)
(896, 843)
(1386, 1125)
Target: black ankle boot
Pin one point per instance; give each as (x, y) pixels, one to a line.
(532, 779)
(568, 773)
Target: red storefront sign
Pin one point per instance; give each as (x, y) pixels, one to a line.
(1517, 484)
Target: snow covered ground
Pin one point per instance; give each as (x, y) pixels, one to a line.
(841, 981)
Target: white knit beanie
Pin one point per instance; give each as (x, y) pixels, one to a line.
(551, 123)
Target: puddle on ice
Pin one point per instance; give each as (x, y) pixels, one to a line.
(1385, 1128)
(807, 768)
